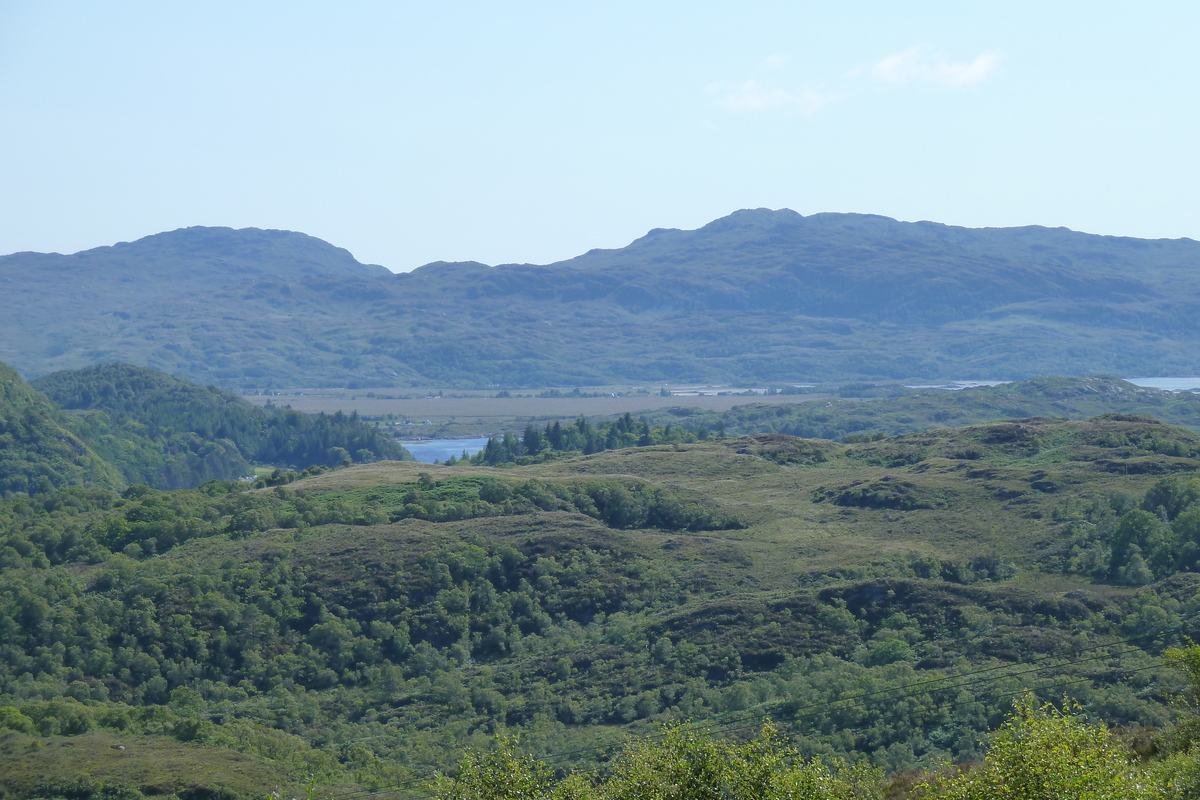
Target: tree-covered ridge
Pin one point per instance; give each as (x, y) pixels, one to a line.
(423, 630)
(580, 437)
(625, 504)
(166, 432)
(38, 449)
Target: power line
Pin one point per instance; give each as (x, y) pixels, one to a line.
(1013, 693)
(850, 702)
(942, 679)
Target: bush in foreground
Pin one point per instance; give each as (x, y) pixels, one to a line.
(1042, 753)
(680, 764)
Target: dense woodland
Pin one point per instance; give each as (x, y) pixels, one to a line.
(38, 449)
(363, 627)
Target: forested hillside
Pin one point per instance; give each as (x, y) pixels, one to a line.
(38, 450)
(116, 424)
(758, 296)
(884, 601)
(166, 432)
(210, 304)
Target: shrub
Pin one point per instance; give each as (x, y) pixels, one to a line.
(1041, 753)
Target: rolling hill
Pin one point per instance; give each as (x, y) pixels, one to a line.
(885, 600)
(758, 296)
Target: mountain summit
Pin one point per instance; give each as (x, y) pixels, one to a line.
(851, 266)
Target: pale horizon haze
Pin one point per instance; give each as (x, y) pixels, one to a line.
(533, 132)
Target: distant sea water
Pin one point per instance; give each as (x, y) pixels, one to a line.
(1170, 384)
(954, 385)
(429, 450)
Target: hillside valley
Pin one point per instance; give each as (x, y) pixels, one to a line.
(515, 401)
(205, 599)
(884, 600)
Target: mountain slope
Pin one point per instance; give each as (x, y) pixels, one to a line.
(848, 266)
(757, 296)
(210, 303)
(38, 450)
(771, 295)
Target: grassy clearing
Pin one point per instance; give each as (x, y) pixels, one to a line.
(155, 765)
(987, 490)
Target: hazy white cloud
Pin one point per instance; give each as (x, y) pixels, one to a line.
(918, 64)
(915, 65)
(749, 96)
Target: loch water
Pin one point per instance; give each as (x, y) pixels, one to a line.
(1170, 384)
(429, 450)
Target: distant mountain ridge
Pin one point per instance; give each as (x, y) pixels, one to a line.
(846, 265)
(758, 296)
(254, 249)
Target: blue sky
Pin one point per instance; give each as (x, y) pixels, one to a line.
(500, 132)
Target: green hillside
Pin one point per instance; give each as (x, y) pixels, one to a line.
(882, 600)
(38, 450)
(166, 432)
(756, 297)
